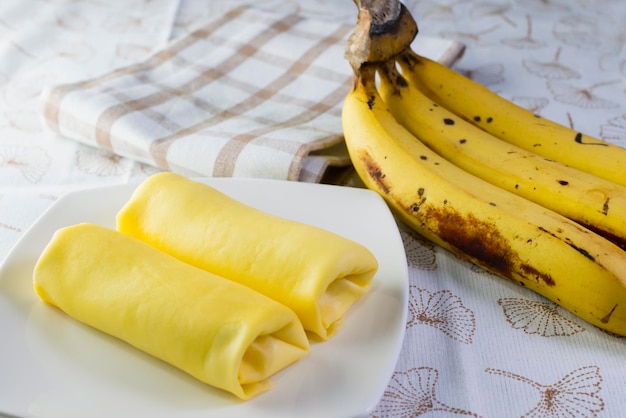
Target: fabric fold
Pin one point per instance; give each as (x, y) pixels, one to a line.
(251, 93)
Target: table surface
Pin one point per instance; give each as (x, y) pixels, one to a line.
(466, 351)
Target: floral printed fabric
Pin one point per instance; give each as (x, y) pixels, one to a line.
(47, 42)
(480, 346)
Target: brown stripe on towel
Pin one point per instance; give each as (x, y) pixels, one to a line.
(109, 116)
(158, 148)
(53, 102)
(226, 160)
(227, 157)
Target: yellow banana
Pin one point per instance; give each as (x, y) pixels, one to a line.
(596, 203)
(512, 123)
(504, 233)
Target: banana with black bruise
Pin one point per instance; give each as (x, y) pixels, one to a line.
(493, 228)
(591, 201)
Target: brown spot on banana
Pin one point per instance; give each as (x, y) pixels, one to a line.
(415, 207)
(474, 237)
(531, 271)
(605, 207)
(375, 171)
(484, 244)
(606, 318)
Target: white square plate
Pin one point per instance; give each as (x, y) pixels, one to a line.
(52, 366)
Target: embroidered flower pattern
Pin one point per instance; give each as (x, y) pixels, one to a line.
(79, 52)
(487, 9)
(527, 41)
(534, 317)
(614, 130)
(487, 75)
(101, 163)
(413, 393)
(10, 227)
(443, 311)
(534, 104)
(33, 162)
(582, 97)
(552, 70)
(472, 39)
(420, 253)
(21, 120)
(574, 395)
(7, 226)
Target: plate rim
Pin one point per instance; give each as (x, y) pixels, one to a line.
(67, 198)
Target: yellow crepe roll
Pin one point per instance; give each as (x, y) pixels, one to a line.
(315, 272)
(218, 331)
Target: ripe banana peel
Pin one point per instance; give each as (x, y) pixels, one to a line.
(591, 201)
(504, 233)
(514, 124)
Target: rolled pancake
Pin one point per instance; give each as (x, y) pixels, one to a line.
(315, 272)
(218, 331)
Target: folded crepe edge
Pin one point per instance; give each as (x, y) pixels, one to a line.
(356, 268)
(284, 335)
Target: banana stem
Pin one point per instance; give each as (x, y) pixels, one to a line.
(384, 29)
(365, 76)
(383, 12)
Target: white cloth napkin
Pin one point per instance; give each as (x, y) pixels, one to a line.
(251, 93)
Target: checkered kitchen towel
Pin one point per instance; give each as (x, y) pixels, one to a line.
(249, 94)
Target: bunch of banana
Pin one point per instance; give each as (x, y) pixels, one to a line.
(514, 124)
(591, 201)
(435, 194)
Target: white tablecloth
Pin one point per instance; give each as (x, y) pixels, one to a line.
(475, 344)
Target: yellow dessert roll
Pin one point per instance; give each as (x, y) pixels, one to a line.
(315, 272)
(218, 331)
